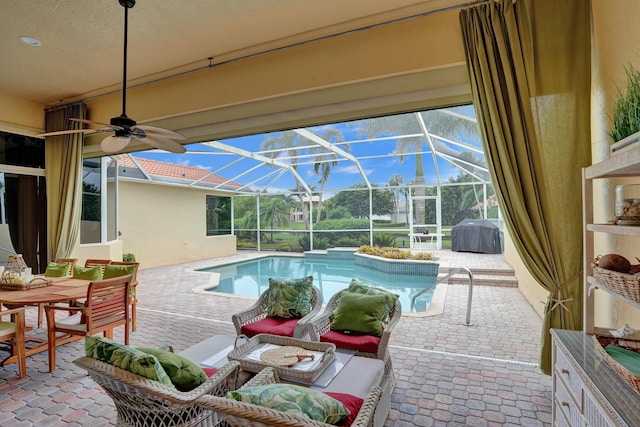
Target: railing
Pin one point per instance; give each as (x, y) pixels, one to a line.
(442, 279)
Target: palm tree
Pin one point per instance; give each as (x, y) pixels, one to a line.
(290, 142)
(324, 161)
(436, 122)
(394, 182)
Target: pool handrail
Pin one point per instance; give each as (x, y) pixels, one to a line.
(446, 277)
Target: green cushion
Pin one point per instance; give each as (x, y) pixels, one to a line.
(359, 313)
(111, 271)
(360, 288)
(125, 357)
(294, 399)
(289, 298)
(87, 273)
(184, 374)
(55, 269)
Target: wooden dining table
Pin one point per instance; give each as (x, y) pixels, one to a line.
(62, 289)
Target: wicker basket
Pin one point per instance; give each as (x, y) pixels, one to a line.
(626, 285)
(239, 353)
(38, 282)
(628, 344)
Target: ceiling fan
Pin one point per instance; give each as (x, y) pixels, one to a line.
(125, 129)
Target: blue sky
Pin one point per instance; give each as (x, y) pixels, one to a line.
(379, 168)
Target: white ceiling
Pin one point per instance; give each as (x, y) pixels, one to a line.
(82, 40)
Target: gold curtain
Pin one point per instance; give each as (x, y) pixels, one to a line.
(63, 160)
(529, 67)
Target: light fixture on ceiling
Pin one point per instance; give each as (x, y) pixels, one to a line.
(124, 128)
(30, 41)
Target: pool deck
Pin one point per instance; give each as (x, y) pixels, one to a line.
(448, 374)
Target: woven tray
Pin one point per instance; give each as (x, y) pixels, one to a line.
(623, 284)
(239, 354)
(628, 344)
(38, 282)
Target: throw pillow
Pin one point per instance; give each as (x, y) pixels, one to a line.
(184, 374)
(87, 273)
(294, 399)
(360, 288)
(359, 313)
(125, 357)
(55, 269)
(111, 270)
(289, 298)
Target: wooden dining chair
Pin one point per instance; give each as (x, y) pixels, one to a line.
(134, 285)
(13, 333)
(101, 262)
(106, 307)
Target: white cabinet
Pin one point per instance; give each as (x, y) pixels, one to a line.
(586, 390)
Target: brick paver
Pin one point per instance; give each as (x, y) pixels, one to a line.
(447, 374)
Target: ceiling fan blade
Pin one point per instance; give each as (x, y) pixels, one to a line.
(71, 131)
(164, 144)
(166, 133)
(89, 122)
(113, 143)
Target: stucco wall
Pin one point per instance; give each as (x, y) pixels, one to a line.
(163, 225)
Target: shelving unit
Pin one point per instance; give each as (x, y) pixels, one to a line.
(586, 390)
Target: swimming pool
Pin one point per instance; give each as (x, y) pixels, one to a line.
(251, 278)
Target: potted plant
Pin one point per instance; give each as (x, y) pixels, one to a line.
(625, 130)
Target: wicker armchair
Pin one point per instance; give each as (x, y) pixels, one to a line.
(236, 413)
(143, 402)
(258, 312)
(319, 326)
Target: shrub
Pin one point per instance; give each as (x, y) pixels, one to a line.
(128, 257)
(393, 253)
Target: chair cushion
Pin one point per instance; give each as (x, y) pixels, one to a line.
(111, 271)
(209, 372)
(351, 402)
(295, 399)
(363, 343)
(55, 269)
(289, 298)
(359, 313)
(76, 322)
(7, 328)
(360, 288)
(87, 273)
(271, 325)
(184, 374)
(125, 357)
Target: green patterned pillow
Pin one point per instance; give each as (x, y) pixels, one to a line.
(360, 288)
(125, 357)
(55, 269)
(289, 298)
(294, 399)
(87, 273)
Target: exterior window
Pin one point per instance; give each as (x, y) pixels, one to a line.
(218, 215)
(91, 214)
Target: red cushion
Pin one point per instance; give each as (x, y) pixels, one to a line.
(209, 371)
(271, 325)
(364, 343)
(353, 404)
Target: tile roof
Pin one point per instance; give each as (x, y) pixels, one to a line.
(175, 171)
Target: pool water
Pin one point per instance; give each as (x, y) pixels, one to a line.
(251, 278)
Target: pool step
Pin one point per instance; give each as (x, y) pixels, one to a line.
(486, 277)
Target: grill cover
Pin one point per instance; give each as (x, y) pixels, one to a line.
(476, 235)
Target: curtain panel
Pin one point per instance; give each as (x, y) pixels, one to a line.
(529, 67)
(63, 160)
